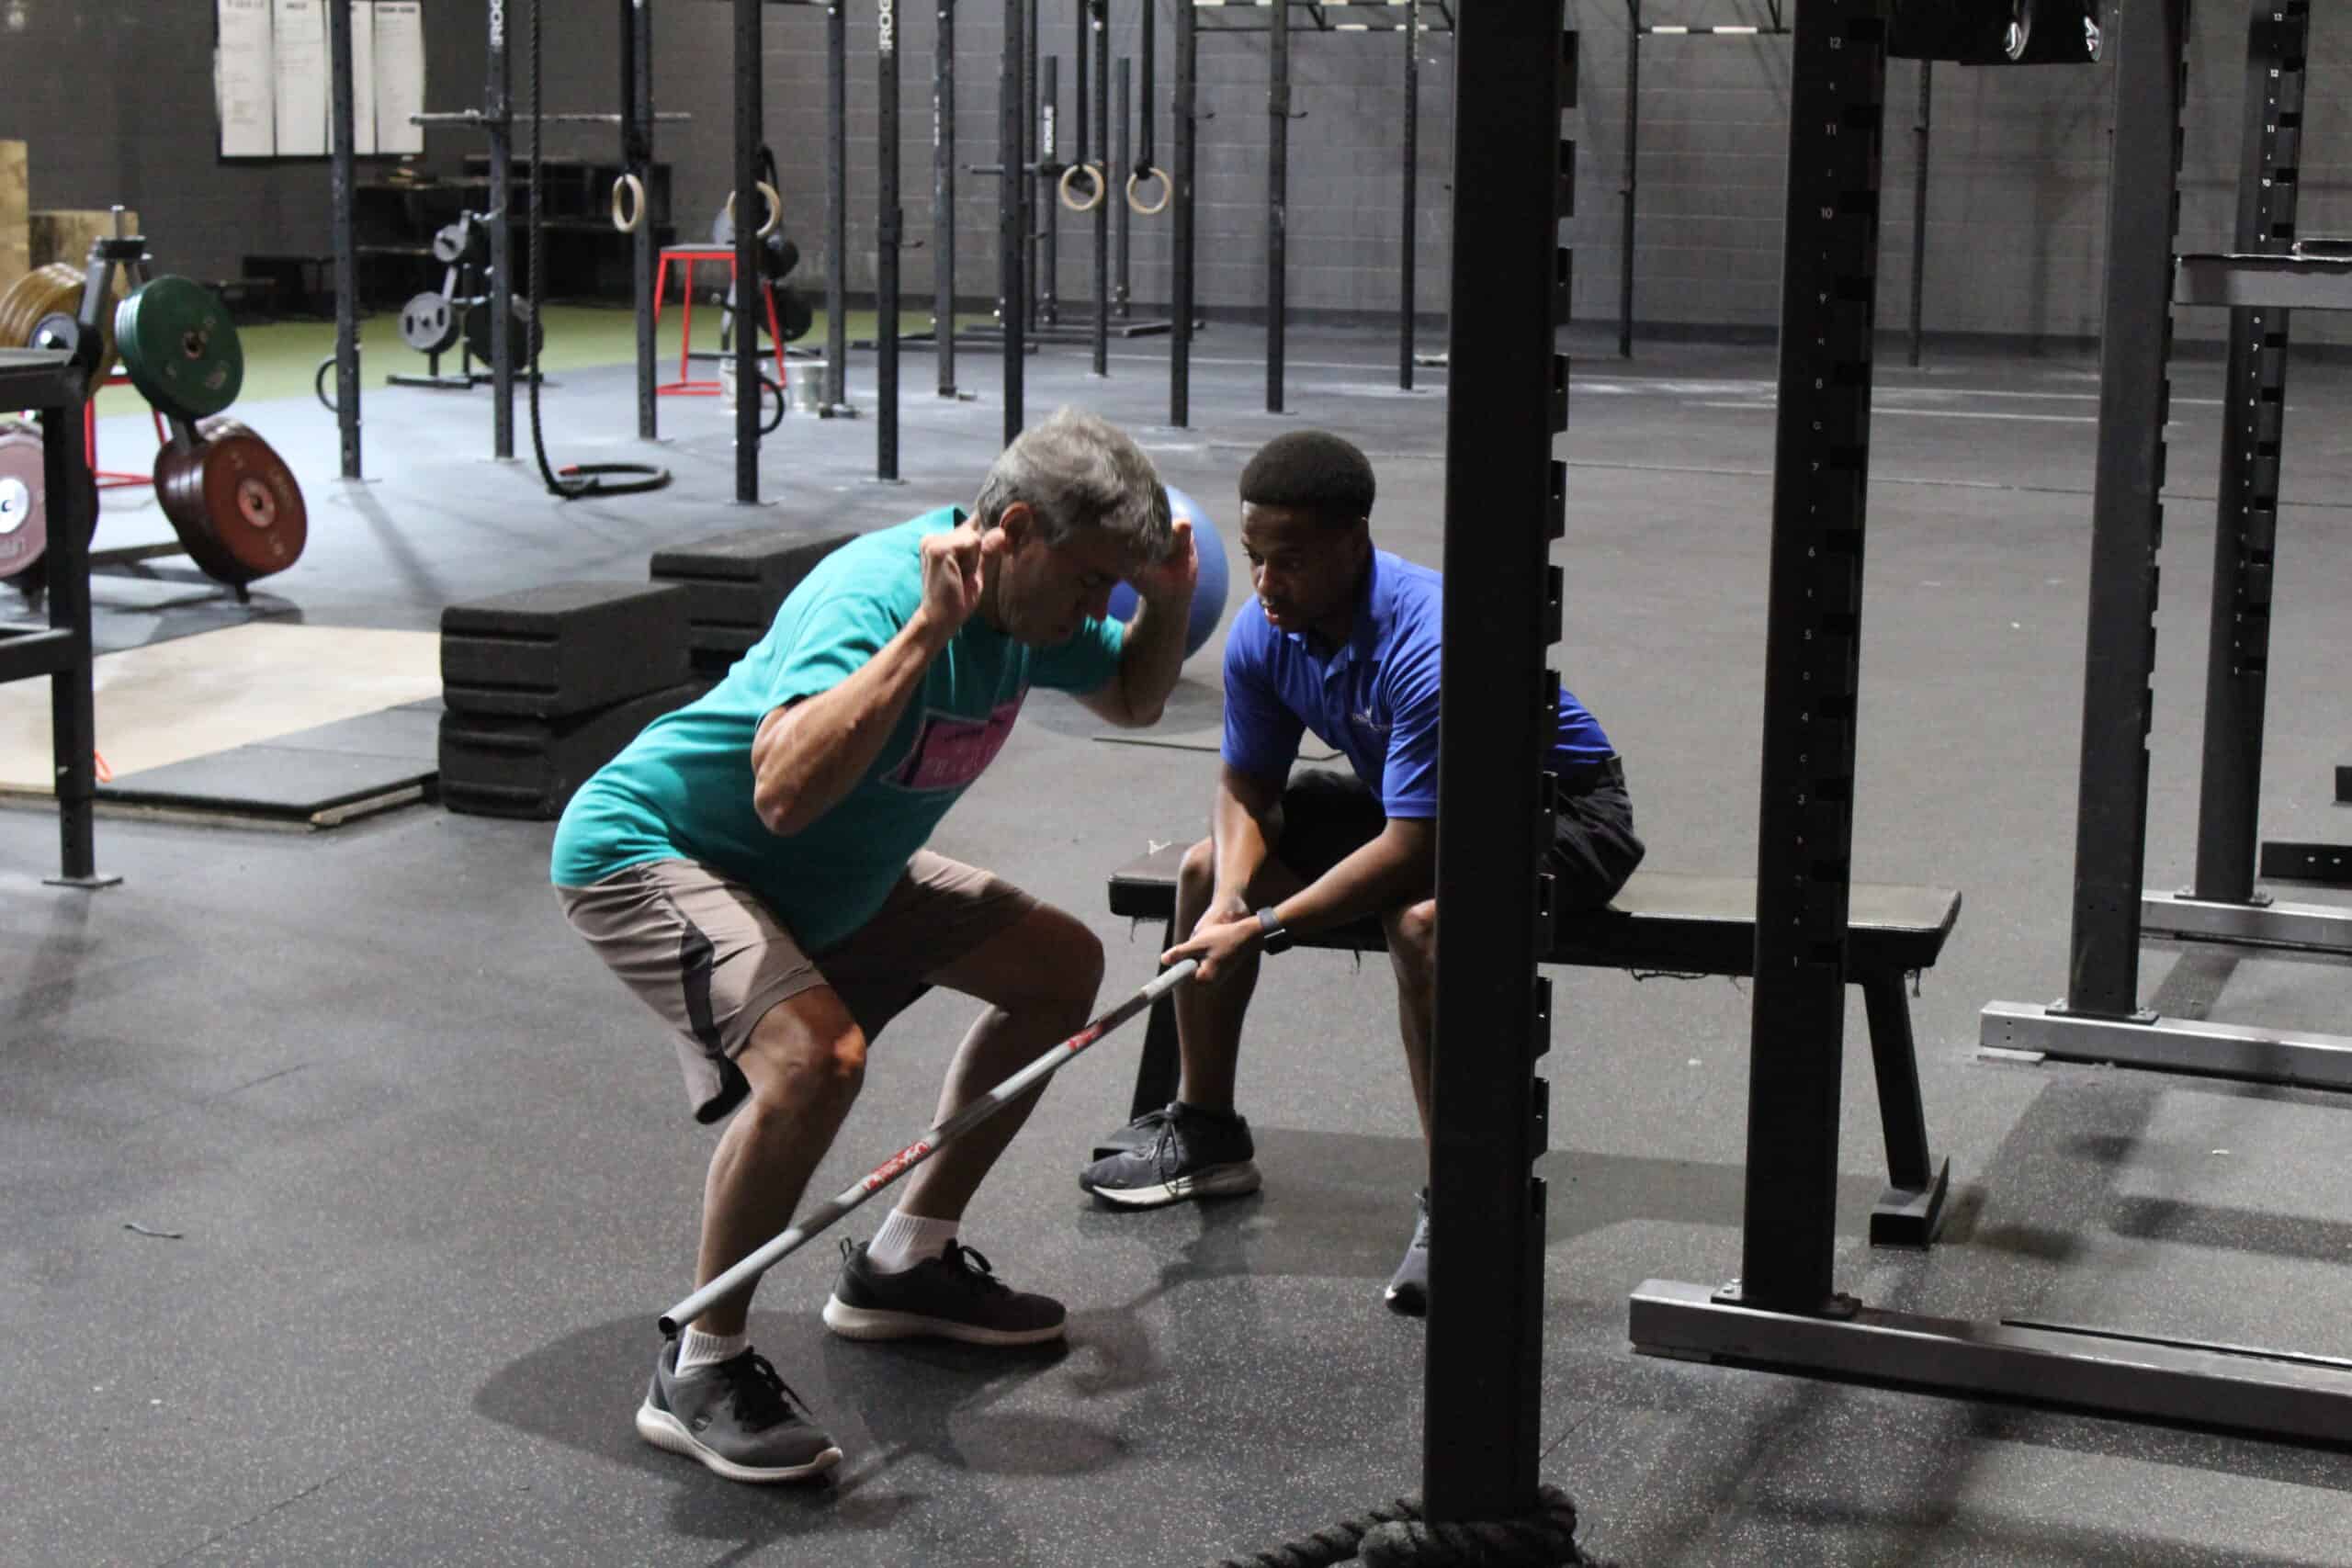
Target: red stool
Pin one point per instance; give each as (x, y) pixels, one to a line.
(688, 256)
(118, 377)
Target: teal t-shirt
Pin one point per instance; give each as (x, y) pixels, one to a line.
(683, 788)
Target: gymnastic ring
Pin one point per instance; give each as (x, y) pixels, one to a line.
(776, 209)
(632, 187)
(1167, 190)
(1092, 172)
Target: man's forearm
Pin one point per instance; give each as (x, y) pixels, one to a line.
(1381, 876)
(1237, 822)
(810, 756)
(1151, 657)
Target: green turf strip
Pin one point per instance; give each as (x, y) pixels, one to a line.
(282, 357)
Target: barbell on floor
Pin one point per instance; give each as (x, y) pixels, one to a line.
(742, 1275)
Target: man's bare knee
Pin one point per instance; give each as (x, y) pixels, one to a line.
(1077, 966)
(1196, 878)
(1412, 937)
(803, 1053)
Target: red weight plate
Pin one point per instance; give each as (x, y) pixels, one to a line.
(179, 490)
(24, 514)
(233, 502)
(255, 504)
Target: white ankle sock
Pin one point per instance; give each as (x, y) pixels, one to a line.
(906, 1240)
(700, 1350)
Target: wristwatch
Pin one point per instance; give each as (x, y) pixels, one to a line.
(1272, 935)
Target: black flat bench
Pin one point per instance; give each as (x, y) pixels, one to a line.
(1674, 924)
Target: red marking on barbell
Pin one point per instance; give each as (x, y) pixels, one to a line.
(889, 1169)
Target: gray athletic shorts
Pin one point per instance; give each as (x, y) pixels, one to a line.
(704, 952)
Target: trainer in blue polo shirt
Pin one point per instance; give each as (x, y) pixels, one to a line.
(1343, 641)
(1373, 695)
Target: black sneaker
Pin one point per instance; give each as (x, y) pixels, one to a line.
(1409, 1288)
(1179, 1152)
(736, 1416)
(954, 1296)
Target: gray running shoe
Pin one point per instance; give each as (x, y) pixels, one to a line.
(1180, 1152)
(954, 1296)
(1409, 1288)
(736, 1416)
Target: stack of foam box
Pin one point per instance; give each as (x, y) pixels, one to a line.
(734, 585)
(542, 688)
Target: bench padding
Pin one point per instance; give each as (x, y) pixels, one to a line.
(1661, 919)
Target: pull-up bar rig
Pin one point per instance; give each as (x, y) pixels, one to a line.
(498, 120)
(1408, 18)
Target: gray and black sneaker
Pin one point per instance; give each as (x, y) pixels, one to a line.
(1409, 1288)
(736, 1416)
(954, 1296)
(1179, 1152)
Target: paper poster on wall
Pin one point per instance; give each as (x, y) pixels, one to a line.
(244, 81)
(363, 78)
(302, 78)
(273, 74)
(400, 75)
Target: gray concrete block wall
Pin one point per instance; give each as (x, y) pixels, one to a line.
(2017, 177)
(2015, 210)
(1346, 172)
(114, 104)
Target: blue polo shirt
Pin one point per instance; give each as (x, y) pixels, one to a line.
(1374, 698)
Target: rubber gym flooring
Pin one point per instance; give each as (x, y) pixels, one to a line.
(427, 1178)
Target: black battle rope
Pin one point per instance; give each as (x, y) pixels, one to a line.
(578, 480)
(1395, 1536)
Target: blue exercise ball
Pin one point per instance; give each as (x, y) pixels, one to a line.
(1208, 596)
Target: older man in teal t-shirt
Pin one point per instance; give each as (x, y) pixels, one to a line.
(753, 867)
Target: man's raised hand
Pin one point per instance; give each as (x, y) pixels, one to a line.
(955, 562)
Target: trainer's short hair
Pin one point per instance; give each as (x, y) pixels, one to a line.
(1313, 470)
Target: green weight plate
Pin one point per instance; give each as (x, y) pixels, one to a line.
(181, 350)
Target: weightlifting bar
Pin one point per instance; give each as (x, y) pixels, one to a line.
(745, 1273)
(476, 117)
(1049, 170)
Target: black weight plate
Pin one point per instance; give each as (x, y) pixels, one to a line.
(779, 256)
(429, 324)
(794, 314)
(523, 333)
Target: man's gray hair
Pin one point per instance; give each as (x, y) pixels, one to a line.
(1078, 471)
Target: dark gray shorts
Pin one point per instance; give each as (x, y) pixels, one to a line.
(1328, 816)
(709, 957)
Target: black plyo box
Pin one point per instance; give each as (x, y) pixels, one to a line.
(504, 765)
(742, 579)
(564, 649)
